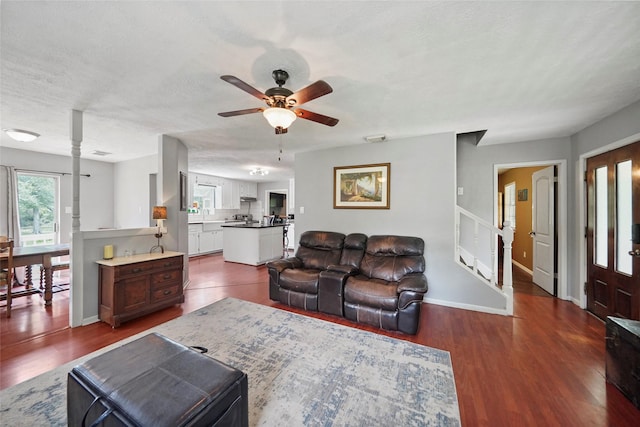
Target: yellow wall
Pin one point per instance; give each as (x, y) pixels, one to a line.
(522, 242)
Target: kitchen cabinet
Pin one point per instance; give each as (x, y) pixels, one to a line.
(253, 245)
(205, 242)
(248, 189)
(230, 195)
(131, 287)
(205, 238)
(217, 240)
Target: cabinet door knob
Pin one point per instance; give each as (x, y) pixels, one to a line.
(167, 292)
(167, 276)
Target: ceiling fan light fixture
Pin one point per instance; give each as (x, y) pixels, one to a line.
(279, 117)
(21, 135)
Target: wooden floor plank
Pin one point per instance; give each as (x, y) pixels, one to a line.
(543, 366)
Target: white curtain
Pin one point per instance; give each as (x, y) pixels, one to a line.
(9, 225)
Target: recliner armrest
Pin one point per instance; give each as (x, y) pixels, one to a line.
(344, 269)
(282, 264)
(416, 282)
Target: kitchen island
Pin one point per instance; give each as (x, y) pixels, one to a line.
(252, 244)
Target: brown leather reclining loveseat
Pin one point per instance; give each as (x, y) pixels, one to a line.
(377, 280)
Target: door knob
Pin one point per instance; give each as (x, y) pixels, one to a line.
(635, 253)
(532, 233)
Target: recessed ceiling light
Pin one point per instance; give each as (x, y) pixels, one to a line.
(21, 135)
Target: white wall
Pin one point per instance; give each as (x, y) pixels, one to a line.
(423, 185)
(96, 191)
(131, 195)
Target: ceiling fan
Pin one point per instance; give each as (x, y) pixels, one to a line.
(282, 104)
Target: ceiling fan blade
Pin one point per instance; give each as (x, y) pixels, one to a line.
(241, 112)
(245, 87)
(315, 117)
(313, 91)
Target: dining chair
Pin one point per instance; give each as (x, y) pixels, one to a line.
(6, 272)
(56, 265)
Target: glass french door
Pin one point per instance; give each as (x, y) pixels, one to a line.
(38, 208)
(613, 252)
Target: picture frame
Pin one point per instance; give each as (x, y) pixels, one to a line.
(184, 192)
(362, 186)
(523, 195)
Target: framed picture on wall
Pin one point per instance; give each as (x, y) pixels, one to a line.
(362, 186)
(184, 192)
(523, 195)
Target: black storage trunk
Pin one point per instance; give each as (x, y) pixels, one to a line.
(623, 357)
(154, 381)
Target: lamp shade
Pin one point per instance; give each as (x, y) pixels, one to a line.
(159, 212)
(279, 117)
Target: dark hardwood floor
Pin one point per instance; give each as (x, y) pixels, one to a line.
(542, 367)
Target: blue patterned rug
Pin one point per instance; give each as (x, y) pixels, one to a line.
(302, 372)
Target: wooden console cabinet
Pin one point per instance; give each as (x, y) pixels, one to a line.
(130, 287)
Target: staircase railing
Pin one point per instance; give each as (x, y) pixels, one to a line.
(476, 243)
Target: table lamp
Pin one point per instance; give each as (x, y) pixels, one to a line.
(159, 214)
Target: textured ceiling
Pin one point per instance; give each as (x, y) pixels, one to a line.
(521, 70)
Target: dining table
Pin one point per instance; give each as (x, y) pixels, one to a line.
(26, 256)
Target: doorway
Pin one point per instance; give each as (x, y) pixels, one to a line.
(539, 209)
(613, 233)
(276, 203)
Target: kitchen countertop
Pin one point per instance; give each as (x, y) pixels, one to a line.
(256, 225)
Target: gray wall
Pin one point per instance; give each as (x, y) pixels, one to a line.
(611, 129)
(96, 191)
(132, 187)
(423, 183)
(475, 172)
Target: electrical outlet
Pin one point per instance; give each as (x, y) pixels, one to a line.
(525, 254)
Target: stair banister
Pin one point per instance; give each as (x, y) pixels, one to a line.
(507, 238)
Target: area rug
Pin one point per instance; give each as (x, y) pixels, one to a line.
(302, 372)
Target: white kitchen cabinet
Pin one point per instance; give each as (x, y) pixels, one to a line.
(193, 244)
(252, 245)
(230, 194)
(205, 238)
(206, 242)
(217, 240)
(194, 232)
(248, 189)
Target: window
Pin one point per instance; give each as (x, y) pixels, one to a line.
(38, 209)
(510, 204)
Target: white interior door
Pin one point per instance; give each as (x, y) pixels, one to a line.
(543, 228)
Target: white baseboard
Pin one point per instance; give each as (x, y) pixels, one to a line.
(521, 267)
(489, 310)
(90, 320)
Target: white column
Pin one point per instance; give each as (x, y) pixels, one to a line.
(77, 252)
(507, 267)
(76, 140)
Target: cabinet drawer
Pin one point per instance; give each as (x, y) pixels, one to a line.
(133, 269)
(163, 278)
(164, 293)
(148, 266)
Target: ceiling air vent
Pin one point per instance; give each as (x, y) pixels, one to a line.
(100, 153)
